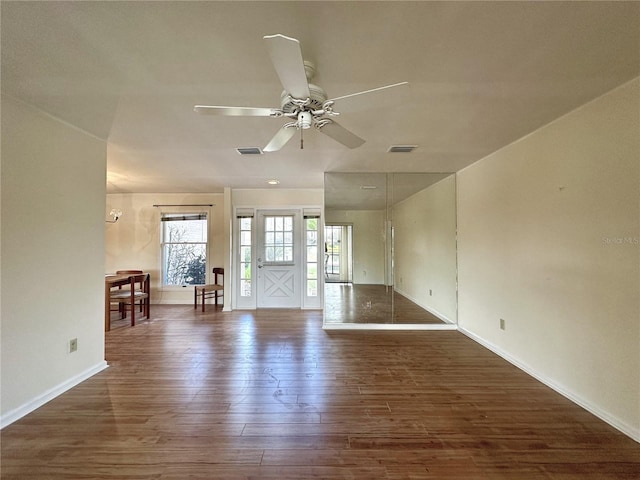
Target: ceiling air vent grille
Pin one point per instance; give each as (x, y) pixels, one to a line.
(249, 151)
(402, 148)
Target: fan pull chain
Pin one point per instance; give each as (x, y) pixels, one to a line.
(301, 139)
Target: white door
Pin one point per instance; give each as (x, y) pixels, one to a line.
(278, 258)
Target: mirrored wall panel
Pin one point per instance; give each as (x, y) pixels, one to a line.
(390, 249)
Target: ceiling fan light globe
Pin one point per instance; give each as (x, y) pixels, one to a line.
(304, 120)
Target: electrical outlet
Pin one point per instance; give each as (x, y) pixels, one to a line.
(73, 345)
(503, 324)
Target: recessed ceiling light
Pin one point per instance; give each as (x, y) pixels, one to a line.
(273, 182)
(368, 187)
(402, 148)
(249, 151)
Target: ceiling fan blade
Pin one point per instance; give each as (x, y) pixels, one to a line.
(381, 97)
(341, 134)
(286, 57)
(280, 139)
(373, 90)
(237, 111)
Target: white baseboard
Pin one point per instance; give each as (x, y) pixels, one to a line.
(429, 309)
(31, 405)
(387, 326)
(615, 422)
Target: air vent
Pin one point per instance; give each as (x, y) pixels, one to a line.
(249, 151)
(402, 148)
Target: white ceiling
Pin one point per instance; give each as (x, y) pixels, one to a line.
(482, 74)
(374, 191)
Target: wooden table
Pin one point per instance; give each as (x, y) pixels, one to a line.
(111, 281)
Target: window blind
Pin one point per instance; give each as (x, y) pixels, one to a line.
(174, 217)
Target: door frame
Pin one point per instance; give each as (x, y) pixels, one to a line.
(302, 213)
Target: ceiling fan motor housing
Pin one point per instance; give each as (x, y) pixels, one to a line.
(317, 98)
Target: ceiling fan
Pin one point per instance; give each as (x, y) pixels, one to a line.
(304, 103)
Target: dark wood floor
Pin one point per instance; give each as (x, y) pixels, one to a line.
(358, 303)
(270, 395)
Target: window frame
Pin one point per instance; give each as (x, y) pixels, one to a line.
(310, 260)
(186, 215)
(242, 261)
(292, 245)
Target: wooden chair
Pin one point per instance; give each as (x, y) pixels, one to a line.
(215, 290)
(121, 309)
(138, 293)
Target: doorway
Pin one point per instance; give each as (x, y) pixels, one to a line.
(278, 259)
(338, 253)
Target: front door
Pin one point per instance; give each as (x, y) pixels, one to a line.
(278, 258)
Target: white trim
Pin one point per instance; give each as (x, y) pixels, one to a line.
(387, 326)
(625, 428)
(432, 311)
(37, 402)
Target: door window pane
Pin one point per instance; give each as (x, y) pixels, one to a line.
(278, 238)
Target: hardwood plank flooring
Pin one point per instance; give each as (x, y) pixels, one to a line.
(351, 303)
(270, 395)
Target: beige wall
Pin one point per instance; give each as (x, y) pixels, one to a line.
(549, 241)
(277, 197)
(134, 241)
(53, 199)
(368, 242)
(425, 248)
